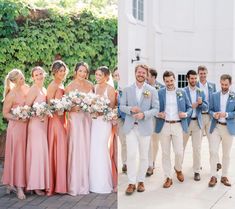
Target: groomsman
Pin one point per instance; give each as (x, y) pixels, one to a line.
(140, 103)
(121, 118)
(154, 142)
(175, 107)
(199, 104)
(222, 109)
(209, 88)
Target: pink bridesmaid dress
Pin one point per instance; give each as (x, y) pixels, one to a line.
(78, 153)
(37, 166)
(14, 165)
(57, 144)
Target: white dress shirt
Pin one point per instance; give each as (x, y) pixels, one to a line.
(223, 103)
(205, 89)
(193, 95)
(139, 92)
(171, 106)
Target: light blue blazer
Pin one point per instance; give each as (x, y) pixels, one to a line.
(230, 109)
(183, 104)
(203, 107)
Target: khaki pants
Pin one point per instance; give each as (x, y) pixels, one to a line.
(135, 141)
(122, 138)
(220, 134)
(171, 133)
(196, 136)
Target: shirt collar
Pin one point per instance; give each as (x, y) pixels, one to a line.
(141, 87)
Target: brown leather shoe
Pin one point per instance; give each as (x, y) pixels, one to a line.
(130, 189)
(124, 168)
(149, 171)
(225, 181)
(212, 181)
(167, 183)
(180, 175)
(140, 187)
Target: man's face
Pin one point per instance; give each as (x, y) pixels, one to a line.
(151, 79)
(225, 85)
(169, 82)
(141, 74)
(202, 75)
(192, 80)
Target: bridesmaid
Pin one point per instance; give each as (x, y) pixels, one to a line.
(37, 167)
(57, 138)
(79, 139)
(14, 166)
(100, 162)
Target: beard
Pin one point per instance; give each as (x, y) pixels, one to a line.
(225, 90)
(140, 79)
(170, 87)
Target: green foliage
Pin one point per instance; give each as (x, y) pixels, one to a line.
(80, 37)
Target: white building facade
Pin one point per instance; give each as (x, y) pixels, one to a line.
(177, 35)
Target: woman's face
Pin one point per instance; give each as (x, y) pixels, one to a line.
(20, 80)
(81, 73)
(38, 76)
(100, 77)
(60, 74)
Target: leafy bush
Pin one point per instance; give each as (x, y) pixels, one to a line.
(27, 41)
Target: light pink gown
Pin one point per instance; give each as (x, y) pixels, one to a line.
(14, 165)
(78, 153)
(57, 144)
(37, 161)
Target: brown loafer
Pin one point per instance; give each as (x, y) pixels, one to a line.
(130, 189)
(212, 181)
(167, 183)
(124, 168)
(179, 175)
(140, 187)
(225, 181)
(149, 171)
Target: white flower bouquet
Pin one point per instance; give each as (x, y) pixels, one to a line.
(21, 112)
(111, 114)
(61, 105)
(41, 110)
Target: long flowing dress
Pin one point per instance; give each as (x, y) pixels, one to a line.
(37, 163)
(14, 165)
(57, 145)
(79, 153)
(100, 163)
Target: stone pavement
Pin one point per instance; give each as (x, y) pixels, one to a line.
(186, 195)
(90, 201)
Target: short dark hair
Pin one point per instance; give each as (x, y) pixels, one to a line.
(191, 72)
(168, 74)
(201, 68)
(225, 77)
(79, 64)
(142, 66)
(153, 72)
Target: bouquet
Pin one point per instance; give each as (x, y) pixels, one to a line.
(111, 114)
(41, 110)
(61, 105)
(21, 112)
(99, 106)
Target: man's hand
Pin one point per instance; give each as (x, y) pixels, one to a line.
(199, 100)
(139, 116)
(135, 109)
(216, 115)
(161, 115)
(222, 114)
(182, 114)
(195, 105)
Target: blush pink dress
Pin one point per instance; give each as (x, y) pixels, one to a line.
(37, 161)
(79, 153)
(14, 165)
(57, 144)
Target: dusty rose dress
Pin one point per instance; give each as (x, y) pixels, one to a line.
(37, 163)
(57, 144)
(79, 153)
(14, 165)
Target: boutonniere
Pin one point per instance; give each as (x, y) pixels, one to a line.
(231, 96)
(199, 91)
(146, 93)
(157, 87)
(210, 86)
(179, 94)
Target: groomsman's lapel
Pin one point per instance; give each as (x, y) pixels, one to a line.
(188, 93)
(218, 100)
(133, 92)
(164, 99)
(142, 95)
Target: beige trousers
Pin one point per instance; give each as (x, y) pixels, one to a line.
(122, 138)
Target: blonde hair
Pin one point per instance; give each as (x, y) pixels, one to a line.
(10, 81)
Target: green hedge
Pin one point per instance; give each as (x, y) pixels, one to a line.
(25, 43)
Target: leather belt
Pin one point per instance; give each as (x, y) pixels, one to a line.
(204, 113)
(193, 118)
(135, 123)
(172, 121)
(224, 124)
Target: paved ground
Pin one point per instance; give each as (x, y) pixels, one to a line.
(186, 195)
(90, 201)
